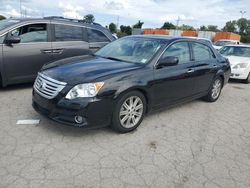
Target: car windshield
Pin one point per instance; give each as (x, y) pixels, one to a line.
(235, 51)
(133, 50)
(6, 23)
(223, 43)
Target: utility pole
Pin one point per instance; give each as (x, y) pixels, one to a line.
(178, 21)
(117, 23)
(242, 13)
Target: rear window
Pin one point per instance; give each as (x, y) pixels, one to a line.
(202, 52)
(96, 36)
(68, 33)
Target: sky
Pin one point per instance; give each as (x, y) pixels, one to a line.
(127, 12)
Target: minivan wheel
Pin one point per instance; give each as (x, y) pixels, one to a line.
(215, 90)
(129, 112)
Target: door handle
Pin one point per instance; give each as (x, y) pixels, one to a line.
(46, 51)
(190, 71)
(215, 66)
(57, 51)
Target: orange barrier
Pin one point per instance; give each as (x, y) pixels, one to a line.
(226, 35)
(156, 32)
(190, 33)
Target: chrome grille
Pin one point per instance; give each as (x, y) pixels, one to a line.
(48, 87)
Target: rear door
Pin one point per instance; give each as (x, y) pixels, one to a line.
(69, 41)
(206, 66)
(174, 83)
(22, 61)
(97, 39)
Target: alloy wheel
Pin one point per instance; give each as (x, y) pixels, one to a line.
(131, 112)
(216, 89)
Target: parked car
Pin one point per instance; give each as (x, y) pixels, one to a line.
(127, 78)
(27, 44)
(239, 57)
(220, 43)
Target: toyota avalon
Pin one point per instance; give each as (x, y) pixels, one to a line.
(126, 79)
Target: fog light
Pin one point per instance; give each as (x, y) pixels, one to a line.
(78, 119)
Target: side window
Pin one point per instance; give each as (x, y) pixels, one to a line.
(2, 39)
(31, 33)
(96, 36)
(202, 52)
(68, 33)
(180, 50)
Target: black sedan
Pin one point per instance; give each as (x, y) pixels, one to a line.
(126, 79)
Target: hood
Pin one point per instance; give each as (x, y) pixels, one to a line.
(236, 60)
(85, 69)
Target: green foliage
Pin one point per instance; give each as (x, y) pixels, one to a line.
(203, 28)
(138, 24)
(89, 18)
(186, 28)
(112, 28)
(126, 29)
(168, 25)
(231, 26)
(2, 17)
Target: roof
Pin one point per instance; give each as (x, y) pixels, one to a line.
(239, 45)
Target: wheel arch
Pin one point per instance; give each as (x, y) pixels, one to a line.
(143, 91)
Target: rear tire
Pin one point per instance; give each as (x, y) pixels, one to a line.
(129, 112)
(215, 90)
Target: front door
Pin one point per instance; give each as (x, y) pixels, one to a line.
(22, 61)
(174, 83)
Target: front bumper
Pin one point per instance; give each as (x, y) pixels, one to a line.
(241, 74)
(94, 112)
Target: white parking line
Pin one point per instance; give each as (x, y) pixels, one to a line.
(28, 122)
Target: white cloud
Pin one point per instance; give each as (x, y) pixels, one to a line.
(70, 10)
(152, 12)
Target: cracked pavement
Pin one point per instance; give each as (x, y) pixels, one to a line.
(197, 144)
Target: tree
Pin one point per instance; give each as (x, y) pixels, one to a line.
(89, 18)
(203, 28)
(243, 25)
(186, 27)
(2, 17)
(112, 28)
(213, 28)
(230, 27)
(138, 24)
(168, 25)
(126, 29)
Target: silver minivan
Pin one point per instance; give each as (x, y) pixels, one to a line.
(27, 44)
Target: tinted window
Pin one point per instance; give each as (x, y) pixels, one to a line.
(68, 33)
(97, 36)
(31, 33)
(235, 51)
(180, 50)
(202, 52)
(2, 39)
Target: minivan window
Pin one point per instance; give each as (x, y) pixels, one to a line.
(96, 36)
(202, 52)
(68, 33)
(2, 39)
(180, 50)
(7, 23)
(31, 33)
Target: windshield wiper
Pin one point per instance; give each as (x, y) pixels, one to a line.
(113, 58)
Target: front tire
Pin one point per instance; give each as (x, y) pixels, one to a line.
(215, 90)
(129, 112)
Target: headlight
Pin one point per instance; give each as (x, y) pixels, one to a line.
(240, 66)
(84, 90)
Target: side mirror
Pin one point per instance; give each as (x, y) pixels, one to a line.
(168, 61)
(12, 40)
